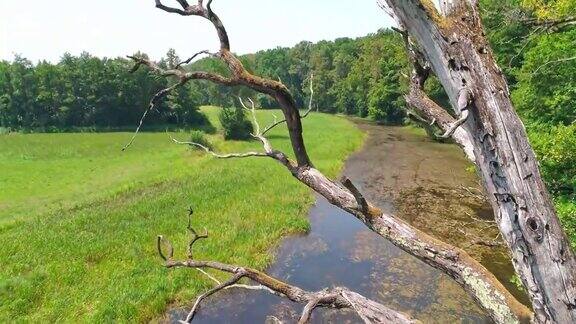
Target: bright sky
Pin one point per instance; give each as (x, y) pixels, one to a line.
(45, 29)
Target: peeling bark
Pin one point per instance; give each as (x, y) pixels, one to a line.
(460, 56)
(446, 58)
(482, 285)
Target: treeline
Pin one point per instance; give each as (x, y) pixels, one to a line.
(534, 42)
(366, 77)
(86, 91)
(363, 76)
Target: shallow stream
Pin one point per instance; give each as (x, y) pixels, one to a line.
(430, 185)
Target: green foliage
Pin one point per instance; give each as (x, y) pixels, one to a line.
(199, 137)
(235, 124)
(87, 91)
(385, 105)
(551, 9)
(183, 104)
(471, 169)
(566, 208)
(509, 36)
(535, 62)
(546, 90)
(78, 220)
(516, 281)
(556, 151)
(351, 76)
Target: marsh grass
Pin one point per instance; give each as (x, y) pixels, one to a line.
(79, 218)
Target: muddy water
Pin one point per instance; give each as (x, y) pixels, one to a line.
(402, 171)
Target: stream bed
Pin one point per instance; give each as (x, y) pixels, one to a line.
(429, 184)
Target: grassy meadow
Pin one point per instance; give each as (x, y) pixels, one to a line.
(79, 217)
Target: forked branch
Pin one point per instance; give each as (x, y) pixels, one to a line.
(240, 76)
(306, 113)
(429, 112)
(182, 78)
(338, 297)
(469, 273)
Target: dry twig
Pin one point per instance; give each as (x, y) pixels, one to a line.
(340, 298)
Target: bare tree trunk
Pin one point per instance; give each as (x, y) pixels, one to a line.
(487, 128)
(461, 57)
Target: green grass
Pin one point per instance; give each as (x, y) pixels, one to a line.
(79, 218)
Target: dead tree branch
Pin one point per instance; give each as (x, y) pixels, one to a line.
(191, 58)
(240, 76)
(338, 297)
(268, 151)
(182, 77)
(455, 45)
(362, 203)
(566, 59)
(218, 155)
(469, 273)
(429, 111)
(153, 103)
(551, 25)
(464, 100)
(306, 113)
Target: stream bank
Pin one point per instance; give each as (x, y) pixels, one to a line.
(429, 184)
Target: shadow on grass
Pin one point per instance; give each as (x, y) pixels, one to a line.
(277, 137)
(207, 128)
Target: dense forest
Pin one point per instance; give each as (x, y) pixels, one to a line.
(86, 91)
(363, 76)
(535, 45)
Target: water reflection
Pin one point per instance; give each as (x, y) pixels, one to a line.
(402, 172)
(339, 251)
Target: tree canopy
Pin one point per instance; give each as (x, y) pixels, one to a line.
(365, 77)
(86, 91)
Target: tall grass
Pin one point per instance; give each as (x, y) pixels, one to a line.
(78, 217)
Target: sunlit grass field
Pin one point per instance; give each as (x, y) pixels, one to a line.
(79, 217)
